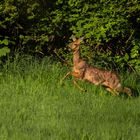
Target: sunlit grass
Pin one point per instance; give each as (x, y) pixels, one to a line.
(34, 106)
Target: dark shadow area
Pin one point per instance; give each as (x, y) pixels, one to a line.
(135, 92)
(136, 89)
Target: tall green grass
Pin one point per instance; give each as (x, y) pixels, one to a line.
(34, 106)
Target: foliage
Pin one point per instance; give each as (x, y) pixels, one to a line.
(110, 29)
(4, 50)
(19, 21)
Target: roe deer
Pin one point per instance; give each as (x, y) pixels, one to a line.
(97, 76)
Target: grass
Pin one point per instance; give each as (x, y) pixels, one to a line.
(34, 106)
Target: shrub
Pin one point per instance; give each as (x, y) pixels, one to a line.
(110, 29)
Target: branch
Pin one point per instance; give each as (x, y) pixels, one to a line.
(65, 62)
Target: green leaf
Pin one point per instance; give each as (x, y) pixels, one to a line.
(5, 42)
(4, 51)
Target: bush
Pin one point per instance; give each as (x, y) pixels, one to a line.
(110, 29)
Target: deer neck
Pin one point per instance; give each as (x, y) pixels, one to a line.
(76, 56)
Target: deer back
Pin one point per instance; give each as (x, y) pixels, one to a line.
(99, 76)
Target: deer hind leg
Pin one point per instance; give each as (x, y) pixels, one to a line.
(127, 91)
(113, 92)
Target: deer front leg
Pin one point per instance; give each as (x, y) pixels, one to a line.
(75, 74)
(61, 81)
(76, 84)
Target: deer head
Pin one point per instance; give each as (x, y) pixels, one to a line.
(76, 43)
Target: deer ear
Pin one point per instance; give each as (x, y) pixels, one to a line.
(81, 39)
(73, 37)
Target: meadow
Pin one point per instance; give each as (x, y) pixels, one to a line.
(35, 106)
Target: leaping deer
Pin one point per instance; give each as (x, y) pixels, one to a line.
(82, 70)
